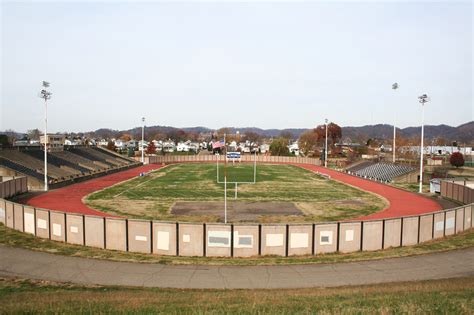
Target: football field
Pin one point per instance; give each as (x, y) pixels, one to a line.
(195, 192)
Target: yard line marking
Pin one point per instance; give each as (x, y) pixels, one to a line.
(135, 186)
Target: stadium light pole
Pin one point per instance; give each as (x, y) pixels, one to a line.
(326, 146)
(46, 95)
(143, 140)
(394, 87)
(422, 99)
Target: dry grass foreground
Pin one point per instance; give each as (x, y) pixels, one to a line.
(449, 296)
(13, 238)
(152, 196)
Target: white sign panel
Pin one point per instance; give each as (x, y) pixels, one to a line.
(2, 215)
(325, 238)
(141, 238)
(74, 229)
(186, 238)
(349, 235)
(56, 229)
(243, 241)
(163, 240)
(42, 224)
(29, 223)
(273, 240)
(299, 240)
(218, 238)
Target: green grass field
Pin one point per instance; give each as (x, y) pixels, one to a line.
(152, 196)
(448, 296)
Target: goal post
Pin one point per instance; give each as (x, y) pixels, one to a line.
(233, 156)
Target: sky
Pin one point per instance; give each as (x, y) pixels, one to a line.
(264, 64)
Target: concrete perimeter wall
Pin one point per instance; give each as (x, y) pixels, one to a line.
(234, 240)
(245, 158)
(458, 191)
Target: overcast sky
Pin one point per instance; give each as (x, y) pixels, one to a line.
(268, 65)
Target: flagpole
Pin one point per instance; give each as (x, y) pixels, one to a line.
(225, 182)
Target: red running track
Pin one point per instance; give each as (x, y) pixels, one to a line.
(402, 203)
(69, 199)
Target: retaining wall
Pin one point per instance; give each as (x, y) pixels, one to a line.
(234, 240)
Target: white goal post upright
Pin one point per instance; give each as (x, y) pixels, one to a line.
(236, 183)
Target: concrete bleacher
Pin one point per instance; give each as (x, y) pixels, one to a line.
(26, 160)
(57, 161)
(79, 160)
(94, 155)
(380, 171)
(65, 166)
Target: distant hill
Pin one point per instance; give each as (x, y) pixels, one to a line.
(463, 133)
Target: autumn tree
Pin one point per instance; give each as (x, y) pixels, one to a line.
(456, 159)
(279, 147)
(252, 137)
(110, 145)
(34, 134)
(334, 132)
(125, 137)
(151, 149)
(308, 141)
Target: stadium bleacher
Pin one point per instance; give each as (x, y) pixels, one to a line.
(68, 165)
(379, 171)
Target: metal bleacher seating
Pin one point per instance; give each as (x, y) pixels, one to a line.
(380, 171)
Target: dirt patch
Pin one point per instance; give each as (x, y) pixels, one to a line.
(242, 211)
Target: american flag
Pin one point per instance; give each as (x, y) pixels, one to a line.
(217, 145)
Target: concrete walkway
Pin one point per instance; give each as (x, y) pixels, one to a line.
(36, 265)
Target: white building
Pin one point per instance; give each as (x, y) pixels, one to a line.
(294, 148)
(264, 148)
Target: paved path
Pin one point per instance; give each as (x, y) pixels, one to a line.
(35, 265)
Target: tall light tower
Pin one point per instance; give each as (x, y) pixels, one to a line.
(143, 140)
(46, 95)
(422, 99)
(394, 87)
(326, 146)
